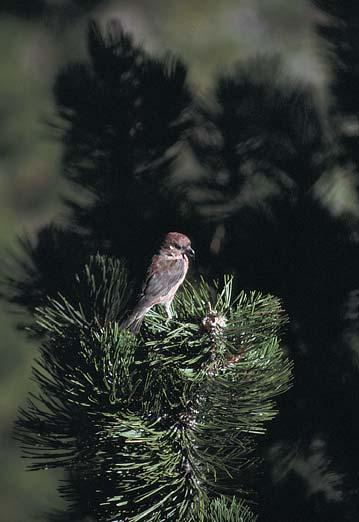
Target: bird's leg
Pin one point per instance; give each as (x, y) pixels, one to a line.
(167, 306)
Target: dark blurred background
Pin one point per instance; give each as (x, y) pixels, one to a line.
(38, 39)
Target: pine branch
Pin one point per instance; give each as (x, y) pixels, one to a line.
(126, 112)
(222, 510)
(339, 30)
(42, 267)
(151, 428)
(261, 128)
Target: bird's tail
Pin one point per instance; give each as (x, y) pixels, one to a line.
(133, 322)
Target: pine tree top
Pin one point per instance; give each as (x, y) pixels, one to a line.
(156, 425)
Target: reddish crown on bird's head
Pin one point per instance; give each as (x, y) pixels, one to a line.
(179, 242)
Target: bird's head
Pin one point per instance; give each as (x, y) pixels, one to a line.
(178, 243)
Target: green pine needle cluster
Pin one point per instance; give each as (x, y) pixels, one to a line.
(223, 509)
(162, 426)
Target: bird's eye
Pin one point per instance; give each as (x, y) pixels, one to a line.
(176, 245)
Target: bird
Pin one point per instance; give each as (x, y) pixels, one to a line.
(165, 274)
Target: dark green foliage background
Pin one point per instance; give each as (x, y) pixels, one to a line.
(272, 165)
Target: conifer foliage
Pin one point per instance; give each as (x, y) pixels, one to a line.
(163, 426)
(122, 117)
(338, 29)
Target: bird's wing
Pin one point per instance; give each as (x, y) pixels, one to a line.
(163, 275)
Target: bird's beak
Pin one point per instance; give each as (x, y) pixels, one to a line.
(190, 252)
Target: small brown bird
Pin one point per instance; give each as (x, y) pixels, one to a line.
(165, 274)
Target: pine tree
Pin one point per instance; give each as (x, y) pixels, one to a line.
(339, 31)
(128, 116)
(163, 426)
